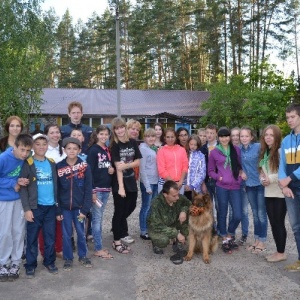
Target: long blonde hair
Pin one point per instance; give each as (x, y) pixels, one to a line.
(115, 123)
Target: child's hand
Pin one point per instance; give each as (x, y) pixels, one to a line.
(17, 187)
(121, 166)
(81, 216)
(23, 181)
(94, 198)
(59, 218)
(29, 216)
(243, 175)
(121, 192)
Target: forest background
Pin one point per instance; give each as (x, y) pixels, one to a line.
(219, 46)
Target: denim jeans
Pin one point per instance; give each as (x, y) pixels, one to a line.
(245, 217)
(211, 187)
(146, 203)
(97, 218)
(224, 197)
(293, 208)
(44, 218)
(258, 205)
(69, 217)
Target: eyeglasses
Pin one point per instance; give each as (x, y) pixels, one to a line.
(183, 135)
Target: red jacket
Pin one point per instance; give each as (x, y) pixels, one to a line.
(172, 161)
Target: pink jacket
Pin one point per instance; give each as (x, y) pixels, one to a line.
(172, 161)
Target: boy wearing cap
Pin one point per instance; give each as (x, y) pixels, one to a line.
(39, 200)
(12, 223)
(74, 200)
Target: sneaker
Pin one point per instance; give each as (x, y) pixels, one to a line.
(158, 250)
(145, 237)
(52, 269)
(68, 265)
(295, 267)
(233, 245)
(85, 261)
(226, 247)
(14, 272)
(176, 259)
(30, 273)
(242, 241)
(127, 239)
(179, 248)
(4, 270)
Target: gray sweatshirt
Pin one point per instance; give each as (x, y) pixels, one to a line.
(148, 167)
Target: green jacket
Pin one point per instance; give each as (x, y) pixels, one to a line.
(162, 217)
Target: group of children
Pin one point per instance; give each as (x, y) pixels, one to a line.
(51, 185)
(236, 171)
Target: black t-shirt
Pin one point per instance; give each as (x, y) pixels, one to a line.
(99, 160)
(126, 152)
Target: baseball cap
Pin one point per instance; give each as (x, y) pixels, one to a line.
(40, 136)
(72, 140)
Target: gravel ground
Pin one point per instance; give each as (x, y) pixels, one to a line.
(144, 275)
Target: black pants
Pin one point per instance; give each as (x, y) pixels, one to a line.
(276, 211)
(123, 209)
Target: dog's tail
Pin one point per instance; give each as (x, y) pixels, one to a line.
(214, 243)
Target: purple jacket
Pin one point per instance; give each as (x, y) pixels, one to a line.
(216, 170)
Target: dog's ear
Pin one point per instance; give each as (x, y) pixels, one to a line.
(194, 194)
(206, 197)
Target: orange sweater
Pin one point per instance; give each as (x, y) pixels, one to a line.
(172, 161)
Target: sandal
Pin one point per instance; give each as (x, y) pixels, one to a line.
(258, 250)
(104, 254)
(121, 248)
(251, 248)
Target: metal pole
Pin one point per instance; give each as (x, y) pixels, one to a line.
(118, 59)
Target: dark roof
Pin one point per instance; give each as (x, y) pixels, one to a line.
(133, 102)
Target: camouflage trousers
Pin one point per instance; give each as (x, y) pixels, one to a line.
(161, 240)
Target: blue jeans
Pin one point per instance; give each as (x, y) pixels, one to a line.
(146, 203)
(69, 217)
(245, 217)
(97, 217)
(211, 187)
(258, 205)
(44, 218)
(293, 208)
(224, 197)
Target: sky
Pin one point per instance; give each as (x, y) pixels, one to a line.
(78, 9)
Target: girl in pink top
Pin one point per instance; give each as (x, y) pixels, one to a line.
(172, 161)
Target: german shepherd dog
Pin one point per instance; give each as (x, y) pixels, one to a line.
(201, 236)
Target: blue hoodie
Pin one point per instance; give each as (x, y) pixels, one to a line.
(10, 168)
(74, 188)
(290, 159)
